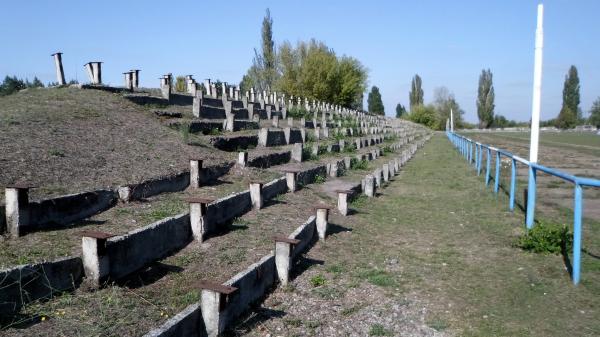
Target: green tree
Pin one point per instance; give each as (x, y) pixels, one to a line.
(424, 114)
(400, 110)
(567, 118)
(485, 99)
(268, 51)
(263, 72)
(36, 83)
(444, 102)
(11, 85)
(595, 113)
(311, 69)
(415, 96)
(374, 103)
(570, 113)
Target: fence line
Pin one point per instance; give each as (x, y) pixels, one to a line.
(474, 152)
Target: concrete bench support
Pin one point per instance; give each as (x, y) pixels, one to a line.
(256, 195)
(198, 217)
(95, 262)
(369, 189)
(322, 218)
(195, 172)
(214, 298)
(343, 196)
(243, 159)
(60, 74)
(17, 208)
(283, 257)
(386, 172)
(291, 177)
(377, 174)
(297, 152)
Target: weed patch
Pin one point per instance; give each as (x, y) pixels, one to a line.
(546, 238)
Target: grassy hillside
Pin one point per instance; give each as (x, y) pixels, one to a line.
(68, 139)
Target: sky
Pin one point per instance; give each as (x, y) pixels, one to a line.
(447, 43)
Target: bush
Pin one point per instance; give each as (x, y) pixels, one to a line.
(356, 164)
(317, 281)
(424, 114)
(547, 239)
(180, 85)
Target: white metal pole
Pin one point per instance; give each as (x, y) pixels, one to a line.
(537, 87)
(535, 118)
(451, 121)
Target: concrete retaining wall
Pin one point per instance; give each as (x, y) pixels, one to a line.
(23, 284)
(252, 284)
(187, 323)
(173, 183)
(64, 210)
(148, 188)
(270, 159)
(274, 188)
(131, 252)
(308, 176)
(2, 218)
(225, 209)
(271, 137)
(210, 112)
(306, 234)
(234, 143)
(294, 136)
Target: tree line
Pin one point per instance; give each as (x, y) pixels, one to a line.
(434, 115)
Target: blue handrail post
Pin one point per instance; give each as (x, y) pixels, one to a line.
(476, 155)
(487, 170)
(480, 160)
(497, 179)
(513, 184)
(577, 227)
(471, 153)
(531, 197)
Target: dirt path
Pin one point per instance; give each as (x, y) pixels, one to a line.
(433, 255)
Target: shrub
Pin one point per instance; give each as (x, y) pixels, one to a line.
(317, 280)
(180, 84)
(319, 179)
(379, 330)
(356, 164)
(546, 239)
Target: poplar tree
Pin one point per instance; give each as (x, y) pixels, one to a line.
(415, 96)
(485, 99)
(569, 113)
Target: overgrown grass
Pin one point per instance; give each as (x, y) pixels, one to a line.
(379, 330)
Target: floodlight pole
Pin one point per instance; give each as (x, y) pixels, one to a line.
(535, 115)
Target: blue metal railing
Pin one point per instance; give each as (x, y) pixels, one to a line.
(474, 151)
